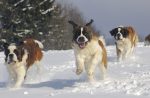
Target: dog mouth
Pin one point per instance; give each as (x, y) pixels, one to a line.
(11, 62)
(82, 45)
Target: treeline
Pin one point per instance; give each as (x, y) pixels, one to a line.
(44, 20)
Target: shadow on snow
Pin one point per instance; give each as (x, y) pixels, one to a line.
(55, 84)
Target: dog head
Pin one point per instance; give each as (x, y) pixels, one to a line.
(81, 34)
(147, 40)
(119, 33)
(13, 53)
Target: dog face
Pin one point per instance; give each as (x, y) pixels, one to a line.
(147, 40)
(81, 34)
(13, 53)
(119, 33)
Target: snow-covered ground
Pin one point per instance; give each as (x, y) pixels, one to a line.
(126, 79)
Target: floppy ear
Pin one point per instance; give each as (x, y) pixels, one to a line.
(89, 23)
(20, 52)
(112, 32)
(126, 32)
(20, 43)
(72, 23)
(5, 45)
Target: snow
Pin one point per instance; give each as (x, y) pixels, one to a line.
(18, 2)
(126, 79)
(48, 10)
(41, 3)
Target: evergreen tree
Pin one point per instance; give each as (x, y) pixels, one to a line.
(39, 19)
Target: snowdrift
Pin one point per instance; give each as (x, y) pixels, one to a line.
(126, 79)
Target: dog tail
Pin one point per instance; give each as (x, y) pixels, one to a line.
(136, 39)
(39, 44)
(104, 53)
(101, 38)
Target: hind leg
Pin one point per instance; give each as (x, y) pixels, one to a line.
(103, 71)
(132, 50)
(39, 67)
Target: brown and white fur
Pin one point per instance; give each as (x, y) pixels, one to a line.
(126, 40)
(19, 57)
(147, 40)
(89, 50)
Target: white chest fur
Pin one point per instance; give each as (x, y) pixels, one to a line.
(124, 49)
(124, 44)
(91, 48)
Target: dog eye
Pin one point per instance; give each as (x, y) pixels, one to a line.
(85, 33)
(15, 51)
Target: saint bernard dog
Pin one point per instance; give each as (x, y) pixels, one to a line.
(89, 50)
(126, 39)
(18, 59)
(147, 40)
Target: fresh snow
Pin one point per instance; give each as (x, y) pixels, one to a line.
(126, 79)
(18, 2)
(42, 2)
(48, 10)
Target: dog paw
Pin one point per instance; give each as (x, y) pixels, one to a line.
(119, 59)
(78, 71)
(16, 87)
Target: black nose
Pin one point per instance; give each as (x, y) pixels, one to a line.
(81, 39)
(118, 35)
(11, 56)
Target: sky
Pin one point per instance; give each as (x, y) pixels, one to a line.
(108, 14)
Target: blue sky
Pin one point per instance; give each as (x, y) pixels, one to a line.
(111, 13)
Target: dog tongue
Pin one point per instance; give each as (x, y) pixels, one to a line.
(82, 45)
(11, 61)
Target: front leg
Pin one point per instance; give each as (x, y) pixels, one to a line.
(20, 73)
(79, 65)
(128, 50)
(119, 54)
(127, 53)
(12, 77)
(90, 66)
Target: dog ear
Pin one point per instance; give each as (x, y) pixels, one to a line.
(72, 23)
(17, 41)
(89, 23)
(20, 43)
(21, 51)
(112, 32)
(126, 33)
(5, 45)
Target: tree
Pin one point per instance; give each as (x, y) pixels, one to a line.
(39, 19)
(44, 20)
